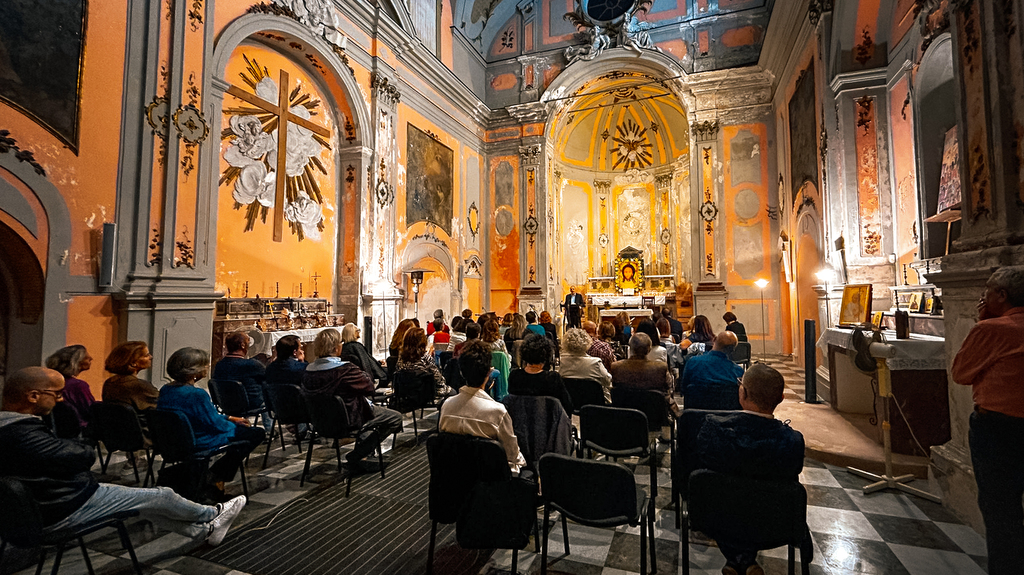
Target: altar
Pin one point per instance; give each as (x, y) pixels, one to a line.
(267, 320)
(919, 387)
(606, 314)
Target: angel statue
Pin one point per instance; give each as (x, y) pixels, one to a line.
(599, 41)
(634, 36)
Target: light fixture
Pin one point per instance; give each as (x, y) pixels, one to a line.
(416, 277)
(761, 284)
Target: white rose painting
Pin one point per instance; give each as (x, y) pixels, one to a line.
(252, 154)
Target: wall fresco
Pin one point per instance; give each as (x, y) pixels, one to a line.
(429, 180)
(803, 133)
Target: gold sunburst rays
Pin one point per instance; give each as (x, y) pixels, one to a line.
(632, 147)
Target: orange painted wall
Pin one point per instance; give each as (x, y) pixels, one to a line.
(254, 256)
(88, 180)
(732, 188)
(504, 252)
(901, 121)
(92, 323)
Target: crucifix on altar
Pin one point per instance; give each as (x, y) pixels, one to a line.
(280, 109)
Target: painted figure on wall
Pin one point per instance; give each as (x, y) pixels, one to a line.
(429, 181)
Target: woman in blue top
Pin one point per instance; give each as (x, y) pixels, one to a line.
(211, 429)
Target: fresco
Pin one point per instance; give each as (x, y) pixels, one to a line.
(429, 182)
(949, 180)
(40, 60)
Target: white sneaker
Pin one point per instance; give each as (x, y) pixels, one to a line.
(222, 522)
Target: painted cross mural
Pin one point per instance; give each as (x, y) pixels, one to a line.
(259, 152)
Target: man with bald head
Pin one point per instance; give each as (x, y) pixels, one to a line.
(56, 471)
(600, 349)
(711, 380)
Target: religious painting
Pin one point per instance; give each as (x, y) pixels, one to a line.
(803, 133)
(629, 275)
(949, 178)
(929, 305)
(41, 55)
(876, 319)
(429, 180)
(855, 308)
(916, 300)
(254, 158)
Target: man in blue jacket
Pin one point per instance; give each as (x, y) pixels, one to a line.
(711, 380)
(56, 471)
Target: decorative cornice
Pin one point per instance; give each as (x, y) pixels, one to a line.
(384, 89)
(529, 112)
(530, 154)
(816, 9)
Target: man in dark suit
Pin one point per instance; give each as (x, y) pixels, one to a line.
(573, 305)
(673, 323)
(750, 443)
(638, 372)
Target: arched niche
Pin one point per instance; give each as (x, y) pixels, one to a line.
(438, 290)
(935, 95)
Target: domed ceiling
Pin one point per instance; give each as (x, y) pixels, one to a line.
(620, 121)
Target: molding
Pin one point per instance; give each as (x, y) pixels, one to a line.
(861, 80)
(788, 22)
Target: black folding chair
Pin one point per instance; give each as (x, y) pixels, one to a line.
(741, 355)
(652, 403)
(231, 398)
(443, 358)
(683, 462)
(584, 392)
(596, 494)
(412, 391)
(65, 422)
(471, 485)
(174, 439)
(289, 409)
(22, 526)
(329, 418)
(748, 513)
(541, 426)
(117, 426)
(453, 374)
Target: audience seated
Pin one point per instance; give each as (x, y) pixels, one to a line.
(125, 362)
(491, 336)
(700, 332)
(473, 331)
(640, 372)
(473, 411)
(658, 351)
(70, 361)
(606, 332)
(550, 330)
(599, 349)
(623, 327)
(236, 366)
(440, 336)
(751, 443)
(711, 380)
(458, 334)
(416, 359)
(505, 324)
(56, 471)
(731, 324)
(330, 375)
(395, 347)
(516, 331)
(210, 429)
(532, 325)
(532, 378)
(576, 364)
(675, 326)
(437, 324)
(287, 369)
(353, 350)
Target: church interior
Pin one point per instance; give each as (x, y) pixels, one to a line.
(810, 166)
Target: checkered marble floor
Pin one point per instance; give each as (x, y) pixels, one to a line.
(882, 533)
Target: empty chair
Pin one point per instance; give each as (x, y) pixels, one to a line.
(330, 420)
(651, 402)
(453, 374)
(412, 391)
(752, 513)
(741, 355)
(22, 525)
(174, 440)
(471, 485)
(117, 426)
(596, 494)
(618, 432)
(289, 409)
(232, 400)
(584, 392)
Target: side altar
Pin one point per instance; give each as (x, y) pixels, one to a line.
(267, 320)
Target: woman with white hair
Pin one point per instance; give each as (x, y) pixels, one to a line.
(354, 351)
(576, 364)
(71, 361)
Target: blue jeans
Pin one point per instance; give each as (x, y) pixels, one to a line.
(160, 505)
(997, 450)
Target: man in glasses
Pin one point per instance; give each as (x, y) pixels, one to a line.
(57, 473)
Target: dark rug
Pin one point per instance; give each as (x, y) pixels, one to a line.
(383, 528)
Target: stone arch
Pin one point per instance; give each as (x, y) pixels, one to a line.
(807, 259)
(42, 314)
(935, 95)
(424, 254)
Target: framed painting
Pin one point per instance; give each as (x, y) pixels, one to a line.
(429, 180)
(916, 301)
(42, 45)
(929, 305)
(876, 319)
(949, 178)
(629, 275)
(855, 309)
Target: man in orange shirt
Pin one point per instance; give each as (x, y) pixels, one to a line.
(991, 361)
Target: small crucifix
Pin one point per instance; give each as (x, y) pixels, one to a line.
(315, 277)
(284, 114)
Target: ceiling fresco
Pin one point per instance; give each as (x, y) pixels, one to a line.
(620, 121)
(702, 34)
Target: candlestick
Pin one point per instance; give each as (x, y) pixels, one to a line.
(277, 289)
(300, 289)
(246, 289)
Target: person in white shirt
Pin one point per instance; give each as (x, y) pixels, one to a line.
(576, 364)
(473, 411)
(458, 334)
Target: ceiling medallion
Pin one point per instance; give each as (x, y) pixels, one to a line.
(632, 147)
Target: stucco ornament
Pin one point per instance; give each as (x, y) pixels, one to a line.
(255, 184)
(604, 24)
(251, 142)
(306, 213)
(318, 16)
